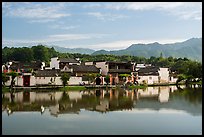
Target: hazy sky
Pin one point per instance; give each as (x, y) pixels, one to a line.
(99, 25)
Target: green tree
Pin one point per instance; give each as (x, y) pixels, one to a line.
(107, 79)
(123, 77)
(23, 54)
(6, 54)
(91, 77)
(180, 78)
(64, 78)
(40, 53)
(5, 78)
(13, 76)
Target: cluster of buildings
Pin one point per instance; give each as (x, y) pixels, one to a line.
(37, 74)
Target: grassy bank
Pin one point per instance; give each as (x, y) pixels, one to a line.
(137, 86)
(68, 88)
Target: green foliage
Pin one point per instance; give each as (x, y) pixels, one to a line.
(26, 54)
(13, 76)
(76, 88)
(64, 78)
(91, 77)
(40, 53)
(137, 86)
(107, 79)
(180, 78)
(124, 75)
(5, 78)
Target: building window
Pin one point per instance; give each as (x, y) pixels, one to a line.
(138, 77)
(39, 77)
(150, 77)
(44, 77)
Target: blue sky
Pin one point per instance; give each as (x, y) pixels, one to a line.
(99, 25)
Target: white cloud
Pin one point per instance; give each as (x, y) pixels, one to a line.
(184, 10)
(144, 5)
(63, 27)
(104, 17)
(64, 38)
(41, 20)
(36, 12)
(53, 38)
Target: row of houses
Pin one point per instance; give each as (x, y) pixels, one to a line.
(36, 73)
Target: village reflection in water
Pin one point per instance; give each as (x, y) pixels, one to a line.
(104, 100)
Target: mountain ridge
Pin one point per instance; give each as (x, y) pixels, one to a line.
(191, 48)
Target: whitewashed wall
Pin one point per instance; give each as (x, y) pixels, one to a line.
(103, 67)
(42, 80)
(75, 80)
(173, 80)
(152, 80)
(19, 81)
(164, 74)
(54, 63)
(46, 80)
(89, 63)
(32, 81)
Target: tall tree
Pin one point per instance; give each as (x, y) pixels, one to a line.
(64, 78)
(40, 53)
(5, 78)
(13, 76)
(107, 79)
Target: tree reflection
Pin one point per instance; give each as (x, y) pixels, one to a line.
(193, 95)
(64, 101)
(105, 100)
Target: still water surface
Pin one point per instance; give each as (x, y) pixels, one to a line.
(153, 111)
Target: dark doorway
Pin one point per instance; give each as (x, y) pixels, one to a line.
(98, 81)
(113, 82)
(26, 81)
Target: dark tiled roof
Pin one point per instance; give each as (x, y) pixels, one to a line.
(119, 71)
(26, 65)
(68, 60)
(115, 62)
(48, 73)
(148, 71)
(85, 68)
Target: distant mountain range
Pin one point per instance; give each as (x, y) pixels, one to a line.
(74, 50)
(191, 48)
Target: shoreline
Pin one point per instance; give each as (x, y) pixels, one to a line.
(87, 87)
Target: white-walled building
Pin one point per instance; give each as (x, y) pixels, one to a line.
(54, 63)
(153, 75)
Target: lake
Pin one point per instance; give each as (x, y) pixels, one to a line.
(163, 110)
